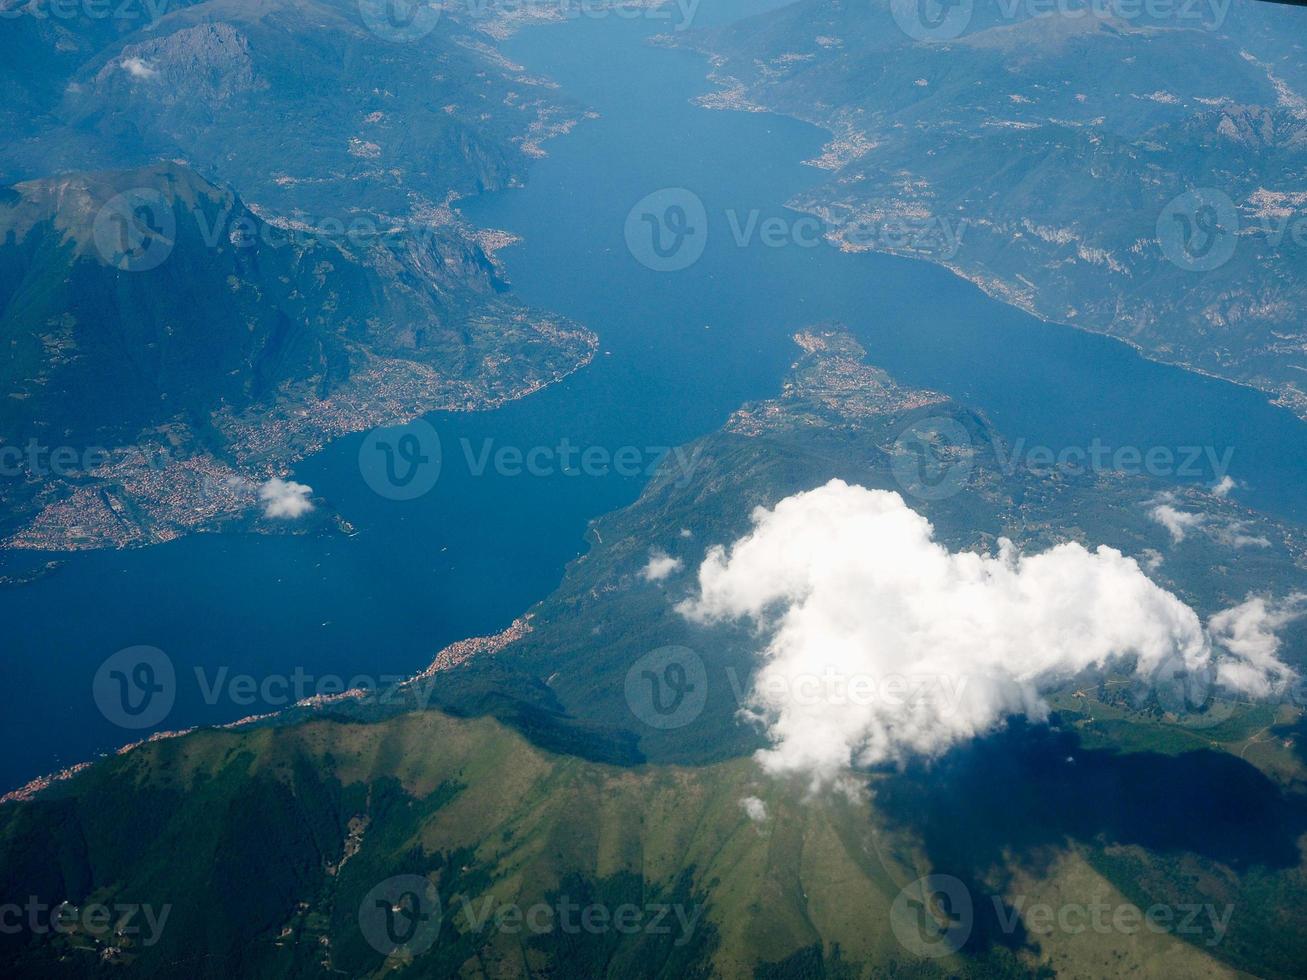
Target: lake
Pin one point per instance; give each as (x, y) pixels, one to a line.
(678, 352)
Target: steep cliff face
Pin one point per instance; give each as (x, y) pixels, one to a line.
(208, 65)
(129, 298)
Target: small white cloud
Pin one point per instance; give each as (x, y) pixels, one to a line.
(285, 499)
(755, 809)
(686, 533)
(1249, 632)
(1153, 559)
(139, 68)
(660, 566)
(1178, 522)
(1233, 535)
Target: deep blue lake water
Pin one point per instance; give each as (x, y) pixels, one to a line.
(679, 351)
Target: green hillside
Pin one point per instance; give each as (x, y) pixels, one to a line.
(532, 778)
(264, 845)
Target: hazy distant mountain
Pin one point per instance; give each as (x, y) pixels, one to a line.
(309, 277)
(297, 103)
(1140, 178)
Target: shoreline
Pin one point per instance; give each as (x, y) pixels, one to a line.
(447, 658)
(733, 95)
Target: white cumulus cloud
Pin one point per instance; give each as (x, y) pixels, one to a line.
(755, 809)
(881, 644)
(1234, 535)
(1249, 631)
(1178, 522)
(285, 499)
(1231, 533)
(660, 566)
(139, 68)
(1224, 486)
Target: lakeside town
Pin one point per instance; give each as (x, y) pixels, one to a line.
(169, 484)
